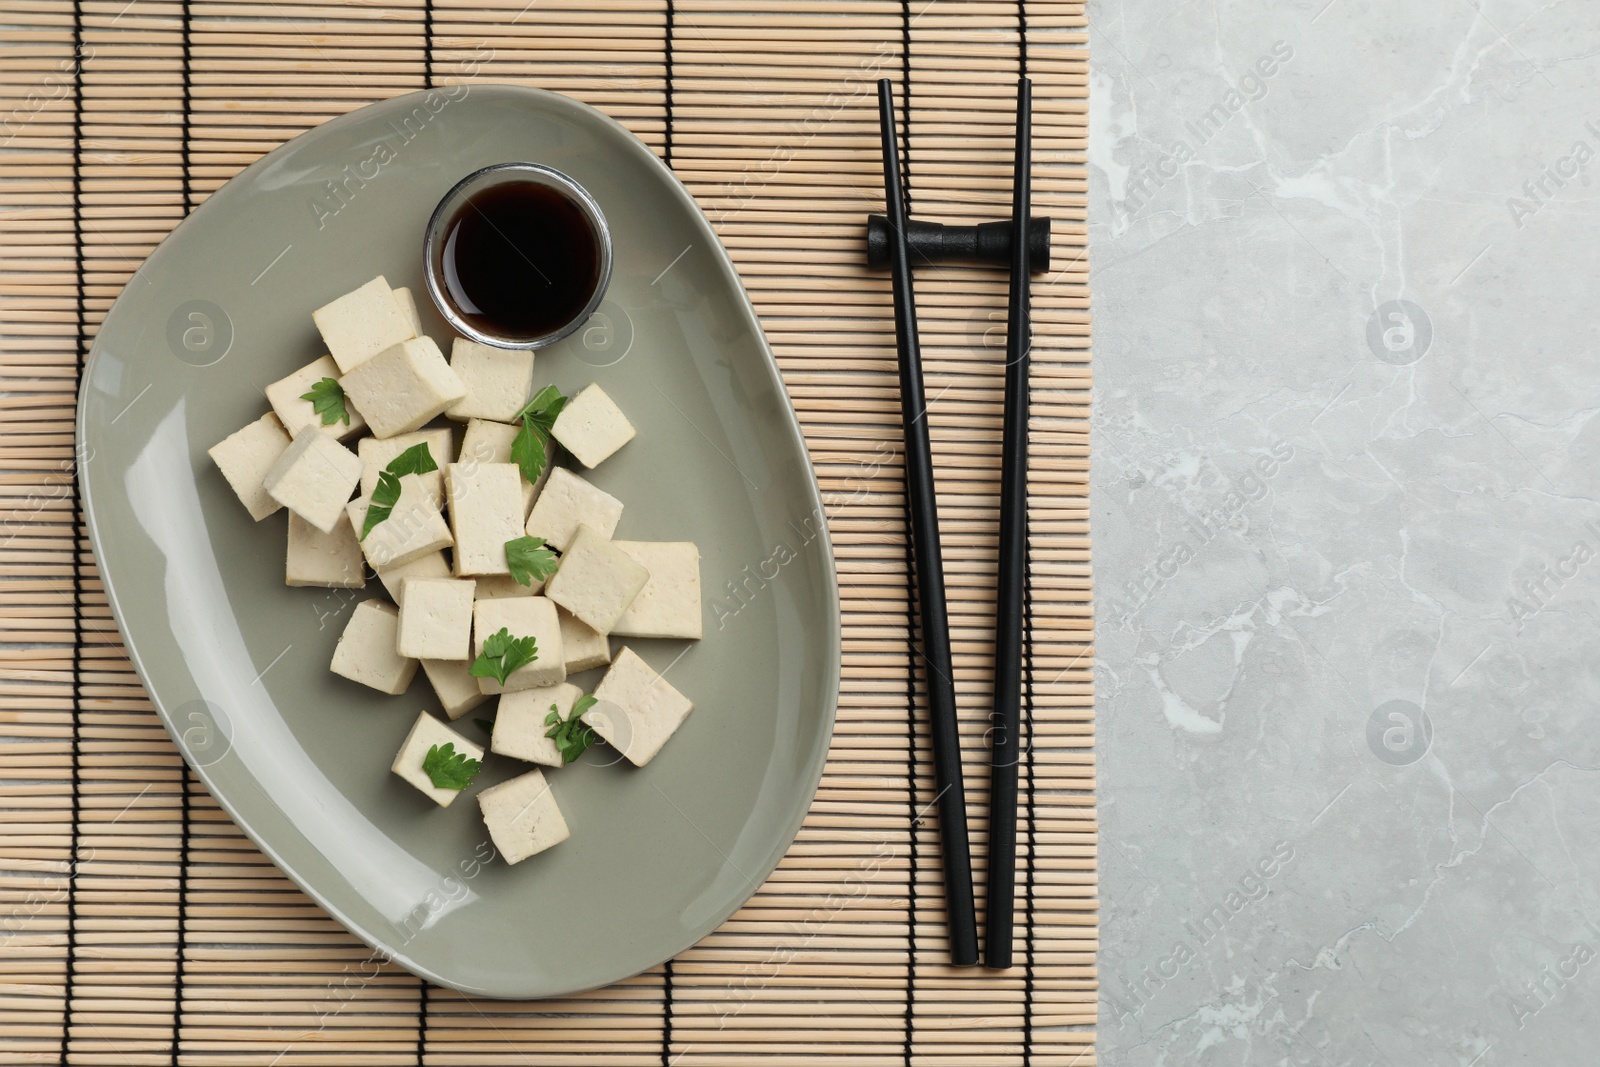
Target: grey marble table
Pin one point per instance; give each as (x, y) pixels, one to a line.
(1346, 532)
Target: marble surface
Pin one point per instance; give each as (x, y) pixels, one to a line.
(1346, 533)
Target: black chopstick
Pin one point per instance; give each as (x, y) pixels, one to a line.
(952, 797)
(1012, 576)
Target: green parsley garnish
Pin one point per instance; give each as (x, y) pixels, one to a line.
(327, 400)
(448, 769)
(530, 560)
(503, 654)
(571, 735)
(486, 725)
(386, 494)
(538, 417)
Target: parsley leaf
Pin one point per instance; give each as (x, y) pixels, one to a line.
(414, 460)
(502, 655)
(571, 735)
(530, 560)
(448, 769)
(386, 494)
(538, 417)
(327, 400)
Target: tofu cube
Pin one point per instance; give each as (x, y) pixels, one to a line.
(425, 733)
(245, 456)
(366, 650)
(436, 619)
(519, 723)
(314, 478)
(490, 442)
(285, 397)
(362, 323)
(496, 586)
(522, 816)
(596, 581)
(330, 560)
(402, 387)
(636, 709)
(669, 603)
(567, 502)
(531, 616)
(584, 646)
(378, 452)
(433, 565)
(592, 427)
(456, 689)
(414, 527)
(499, 381)
(485, 513)
(408, 306)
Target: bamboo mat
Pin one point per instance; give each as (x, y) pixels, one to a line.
(140, 926)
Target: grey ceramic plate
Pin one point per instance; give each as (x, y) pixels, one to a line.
(238, 664)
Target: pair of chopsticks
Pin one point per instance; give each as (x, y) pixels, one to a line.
(1012, 577)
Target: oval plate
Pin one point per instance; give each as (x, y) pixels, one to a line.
(237, 664)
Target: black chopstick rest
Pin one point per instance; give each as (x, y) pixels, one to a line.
(938, 242)
(921, 500)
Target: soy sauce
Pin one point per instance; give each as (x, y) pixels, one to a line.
(519, 260)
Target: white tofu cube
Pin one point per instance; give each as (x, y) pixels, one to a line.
(402, 387)
(522, 816)
(485, 513)
(414, 527)
(596, 581)
(436, 619)
(366, 650)
(531, 616)
(490, 442)
(592, 427)
(285, 397)
(496, 586)
(330, 560)
(568, 502)
(669, 603)
(425, 733)
(378, 452)
(499, 381)
(433, 565)
(584, 646)
(408, 306)
(245, 456)
(519, 723)
(314, 478)
(636, 709)
(362, 323)
(457, 689)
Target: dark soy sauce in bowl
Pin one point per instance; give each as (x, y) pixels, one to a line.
(519, 260)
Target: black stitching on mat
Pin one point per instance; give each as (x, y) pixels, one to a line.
(1022, 38)
(423, 995)
(427, 44)
(74, 804)
(666, 1014)
(667, 42)
(912, 807)
(911, 794)
(905, 102)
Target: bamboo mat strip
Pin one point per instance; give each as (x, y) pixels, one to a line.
(141, 926)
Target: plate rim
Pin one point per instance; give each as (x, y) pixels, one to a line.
(792, 429)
